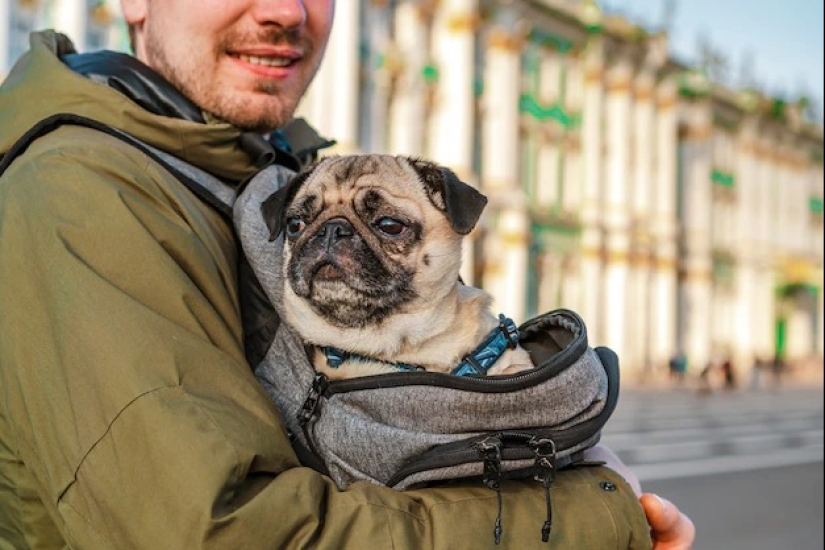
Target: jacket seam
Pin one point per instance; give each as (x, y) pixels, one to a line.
(387, 507)
(106, 432)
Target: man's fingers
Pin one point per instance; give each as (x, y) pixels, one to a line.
(671, 529)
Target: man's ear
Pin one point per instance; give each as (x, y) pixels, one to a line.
(134, 11)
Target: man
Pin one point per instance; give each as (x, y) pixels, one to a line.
(129, 417)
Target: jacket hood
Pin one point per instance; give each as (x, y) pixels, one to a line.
(41, 85)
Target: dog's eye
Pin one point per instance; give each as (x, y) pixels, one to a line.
(390, 226)
(294, 225)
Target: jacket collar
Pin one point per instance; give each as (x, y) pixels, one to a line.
(294, 146)
(134, 80)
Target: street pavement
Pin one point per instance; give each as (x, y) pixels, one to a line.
(766, 509)
(669, 433)
(746, 465)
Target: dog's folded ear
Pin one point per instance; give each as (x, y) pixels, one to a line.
(461, 203)
(464, 203)
(273, 208)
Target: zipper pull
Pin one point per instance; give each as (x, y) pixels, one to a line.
(545, 451)
(310, 406)
(490, 450)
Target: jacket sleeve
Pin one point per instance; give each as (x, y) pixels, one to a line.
(127, 398)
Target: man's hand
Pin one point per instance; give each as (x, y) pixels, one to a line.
(669, 528)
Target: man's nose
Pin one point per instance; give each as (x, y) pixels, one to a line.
(285, 13)
(335, 230)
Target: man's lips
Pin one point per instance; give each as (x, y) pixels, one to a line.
(267, 61)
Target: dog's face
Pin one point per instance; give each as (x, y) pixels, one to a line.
(367, 237)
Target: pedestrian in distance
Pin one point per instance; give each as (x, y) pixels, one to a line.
(705, 384)
(129, 415)
(728, 374)
(759, 365)
(778, 368)
(677, 366)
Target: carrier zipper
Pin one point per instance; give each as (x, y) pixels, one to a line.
(440, 379)
(309, 410)
(545, 452)
(563, 439)
(559, 361)
(464, 453)
(490, 451)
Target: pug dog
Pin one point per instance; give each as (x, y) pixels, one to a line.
(372, 247)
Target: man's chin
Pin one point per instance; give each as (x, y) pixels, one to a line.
(255, 114)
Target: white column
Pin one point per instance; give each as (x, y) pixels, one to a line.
(550, 146)
(719, 320)
(663, 226)
(766, 312)
(641, 201)
(331, 103)
(573, 165)
(799, 334)
(451, 125)
(572, 283)
(820, 317)
(69, 17)
(745, 287)
(744, 311)
(5, 34)
(815, 189)
(696, 201)
(506, 250)
(762, 250)
(590, 296)
(644, 144)
(407, 111)
(377, 25)
(117, 34)
(615, 212)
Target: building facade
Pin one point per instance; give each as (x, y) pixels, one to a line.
(671, 213)
(92, 25)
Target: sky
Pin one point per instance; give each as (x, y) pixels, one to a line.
(783, 38)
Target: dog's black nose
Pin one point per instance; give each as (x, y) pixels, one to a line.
(334, 230)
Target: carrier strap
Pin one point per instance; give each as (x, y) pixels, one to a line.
(205, 186)
(295, 145)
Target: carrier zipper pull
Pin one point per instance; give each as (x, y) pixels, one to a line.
(545, 451)
(490, 449)
(310, 406)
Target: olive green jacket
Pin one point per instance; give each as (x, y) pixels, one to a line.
(129, 417)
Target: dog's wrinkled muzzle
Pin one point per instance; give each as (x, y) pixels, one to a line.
(334, 231)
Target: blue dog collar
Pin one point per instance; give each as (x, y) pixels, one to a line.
(505, 336)
(336, 357)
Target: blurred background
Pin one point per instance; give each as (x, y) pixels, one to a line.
(654, 165)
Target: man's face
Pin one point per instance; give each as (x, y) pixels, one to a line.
(246, 61)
